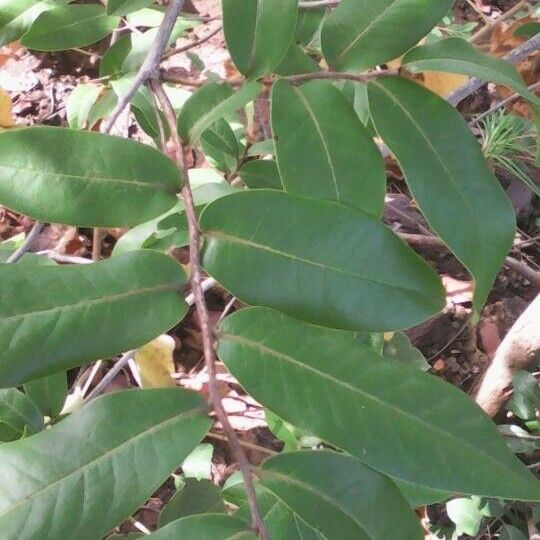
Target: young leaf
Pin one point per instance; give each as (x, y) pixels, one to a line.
(85, 179)
(88, 473)
(56, 318)
(322, 148)
(317, 260)
(48, 393)
(395, 418)
(80, 103)
(454, 55)
(18, 415)
(214, 526)
(195, 497)
(360, 34)
(212, 102)
(65, 27)
(447, 175)
(259, 33)
(340, 496)
(125, 7)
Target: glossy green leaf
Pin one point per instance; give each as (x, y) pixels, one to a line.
(456, 55)
(317, 260)
(56, 318)
(395, 418)
(199, 463)
(340, 496)
(360, 34)
(17, 16)
(308, 25)
(125, 7)
(322, 148)
(205, 526)
(85, 179)
(210, 103)
(447, 174)
(18, 415)
(80, 103)
(260, 173)
(86, 474)
(525, 401)
(115, 56)
(48, 393)
(259, 33)
(528, 30)
(65, 27)
(195, 497)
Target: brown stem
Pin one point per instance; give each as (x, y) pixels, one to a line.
(177, 152)
(337, 75)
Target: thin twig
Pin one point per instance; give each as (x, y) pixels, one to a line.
(177, 154)
(27, 244)
(111, 374)
(505, 16)
(149, 67)
(206, 285)
(67, 259)
(193, 44)
(318, 4)
(245, 444)
(514, 57)
(502, 103)
(339, 75)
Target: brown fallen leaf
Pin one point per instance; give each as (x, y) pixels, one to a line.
(6, 114)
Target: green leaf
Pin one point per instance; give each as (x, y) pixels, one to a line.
(199, 463)
(65, 27)
(260, 173)
(454, 55)
(259, 33)
(56, 318)
(88, 473)
(525, 401)
(360, 34)
(80, 103)
(211, 526)
(339, 496)
(509, 532)
(114, 57)
(125, 7)
(401, 349)
(85, 179)
(395, 418)
(528, 30)
(210, 103)
(322, 148)
(296, 61)
(48, 393)
(317, 260)
(196, 497)
(447, 174)
(17, 16)
(18, 415)
(466, 515)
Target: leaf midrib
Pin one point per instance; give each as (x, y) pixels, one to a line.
(92, 302)
(366, 29)
(274, 251)
(108, 454)
(383, 404)
(319, 130)
(302, 485)
(98, 179)
(448, 173)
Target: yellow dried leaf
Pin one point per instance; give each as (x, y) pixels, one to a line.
(155, 362)
(6, 116)
(441, 83)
